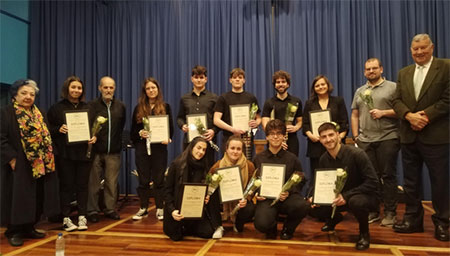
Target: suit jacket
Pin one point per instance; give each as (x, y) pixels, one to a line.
(433, 99)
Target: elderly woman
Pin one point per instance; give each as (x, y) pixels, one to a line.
(234, 156)
(189, 167)
(29, 185)
(72, 164)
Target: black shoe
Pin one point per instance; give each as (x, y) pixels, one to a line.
(238, 226)
(363, 242)
(407, 227)
(113, 215)
(373, 217)
(34, 234)
(15, 240)
(272, 234)
(93, 218)
(330, 224)
(286, 235)
(441, 233)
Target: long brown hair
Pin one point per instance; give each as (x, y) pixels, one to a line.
(143, 107)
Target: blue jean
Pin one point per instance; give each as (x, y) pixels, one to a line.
(107, 166)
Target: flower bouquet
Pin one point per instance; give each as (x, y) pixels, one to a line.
(252, 186)
(295, 179)
(95, 129)
(291, 110)
(213, 181)
(201, 129)
(146, 123)
(366, 97)
(341, 178)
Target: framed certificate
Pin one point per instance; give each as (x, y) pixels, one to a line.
(192, 121)
(231, 184)
(159, 126)
(317, 118)
(324, 186)
(78, 128)
(193, 200)
(240, 116)
(272, 179)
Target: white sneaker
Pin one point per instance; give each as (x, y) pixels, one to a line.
(160, 214)
(68, 225)
(140, 214)
(218, 233)
(82, 223)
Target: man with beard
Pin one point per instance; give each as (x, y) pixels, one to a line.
(374, 128)
(277, 106)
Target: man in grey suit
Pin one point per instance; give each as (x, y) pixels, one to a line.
(422, 104)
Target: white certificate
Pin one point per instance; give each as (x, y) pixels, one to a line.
(272, 179)
(77, 126)
(317, 118)
(191, 121)
(240, 116)
(231, 184)
(193, 200)
(159, 127)
(324, 186)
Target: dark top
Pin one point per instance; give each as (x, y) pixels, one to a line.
(56, 118)
(140, 143)
(433, 99)
(361, 176)
(231, 98)
(336, 105)
(180, 172)
(284, 157)
(111, 131)
(191, 104)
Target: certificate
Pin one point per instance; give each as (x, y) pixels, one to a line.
(324, 186)
(231, 184)
(191, 121)
(78, 129)
(193, 200)
(159, 127)
(240, 116)
(272, 179)
(317, 118)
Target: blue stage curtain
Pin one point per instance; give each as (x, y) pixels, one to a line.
(130, 40)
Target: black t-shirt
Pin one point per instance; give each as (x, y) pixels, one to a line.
(280, 107)
(231, 98)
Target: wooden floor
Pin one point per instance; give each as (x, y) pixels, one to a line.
(145, 237)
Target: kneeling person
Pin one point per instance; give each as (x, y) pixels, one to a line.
(360, 194)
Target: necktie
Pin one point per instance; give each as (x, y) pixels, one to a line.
(418, 81)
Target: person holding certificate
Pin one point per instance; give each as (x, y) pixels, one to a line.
(29, 183)
(71, 162)
(189, 167)
(234, 157)
(196, 102)
(285, 107)
(290, 202)
(359, 194)
(236, 98)
(150, 162)
(334, 110)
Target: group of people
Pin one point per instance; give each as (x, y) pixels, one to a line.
(412, 114)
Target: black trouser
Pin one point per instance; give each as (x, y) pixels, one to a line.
(74, 179)
(359, 205)
(383, 155)
(436, 158)
(292, 142)
(295, 207)
(246, 214)
(203, 228)
(151, 168)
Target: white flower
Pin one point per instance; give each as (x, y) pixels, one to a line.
(294, 109)
(101, 119)
(367, 92)
(215, 177)
(257, 183)
(295, 177)
(340, 172)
